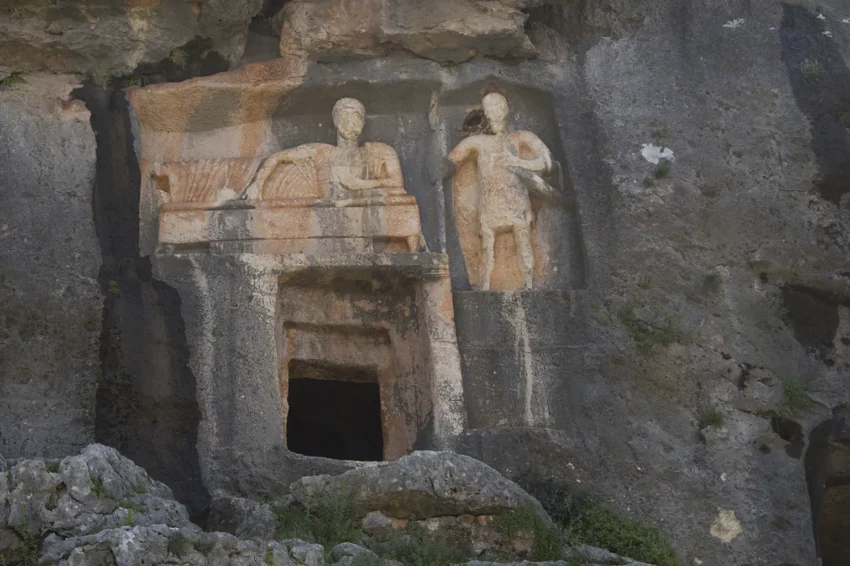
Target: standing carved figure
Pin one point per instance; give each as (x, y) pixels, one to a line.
(508, 167)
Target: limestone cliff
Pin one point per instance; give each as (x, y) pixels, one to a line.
(683, 351)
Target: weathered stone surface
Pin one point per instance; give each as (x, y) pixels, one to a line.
(131, 546)
(584, 554)
(50, 318)
(377, 525)
(116, 37)
(83, 494)
(419, 486)
(345, 554)
(242, 517)
(442, 30)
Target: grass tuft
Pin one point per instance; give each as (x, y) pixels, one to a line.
(417, 549)
(596, 525)
(794, 398)
(548, 540)
(179, 58)
(650, 332)
(586, 521)
(12, 80)
(811, 71)
(330, 523)
(662, 170)
(100, 75)
(178, 545)
(710, 418)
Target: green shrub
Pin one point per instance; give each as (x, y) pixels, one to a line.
(811, 71)
(586, 521)
(329, 523)
(179, 58)
(12, 80)
(794, 397)
(178, 545)
(596, 525)
(97, 486)
(25, 555)
(100, 75)
(548, 540)
(710, 418)
(647, 334)
(367, 559)
(662, 170)
(416, 549)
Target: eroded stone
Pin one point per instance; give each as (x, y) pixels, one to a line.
(420, 486)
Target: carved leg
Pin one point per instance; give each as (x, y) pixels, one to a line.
(522, 237)
(488, 240)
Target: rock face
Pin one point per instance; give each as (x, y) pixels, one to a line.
(420, 486)
(50, 319)
(115, 38)
(692, 345)
(442, 30)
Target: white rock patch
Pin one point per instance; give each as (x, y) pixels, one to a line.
(725, 526)
(654, 153)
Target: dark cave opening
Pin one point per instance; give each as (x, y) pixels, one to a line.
(828, 477)
(336, 419)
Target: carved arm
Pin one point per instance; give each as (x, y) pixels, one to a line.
(272, 162)
(542, 161)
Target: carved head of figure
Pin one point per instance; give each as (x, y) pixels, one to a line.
(349, 116)
(496, 110)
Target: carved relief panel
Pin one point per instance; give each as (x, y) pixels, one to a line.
(315, 197)
(514, 221)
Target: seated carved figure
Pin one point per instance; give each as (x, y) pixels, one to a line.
(345, 171)
(308, 198)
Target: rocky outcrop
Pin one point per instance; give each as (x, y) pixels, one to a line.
(81, 495)
(114, 38)
(420, 486)
(441, 30)
(138, 546)
(98, 508)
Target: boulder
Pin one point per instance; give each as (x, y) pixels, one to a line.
(442, 30)
(78, 495)
(132, 546)
(419, 486)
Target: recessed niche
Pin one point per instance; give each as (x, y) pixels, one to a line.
(355, 382)
(336, 416)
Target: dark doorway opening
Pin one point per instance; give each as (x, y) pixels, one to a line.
(335, 419)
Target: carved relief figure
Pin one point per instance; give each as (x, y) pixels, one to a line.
(311, 198)
(347, 170)
(508, 165)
